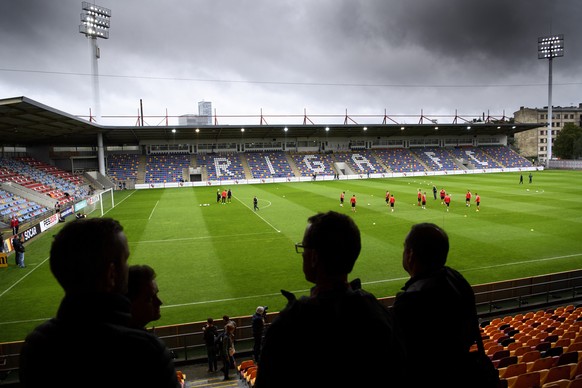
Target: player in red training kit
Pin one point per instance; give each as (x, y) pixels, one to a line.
(468, 198)
(447, 200)
(392, 202)
(477, 200)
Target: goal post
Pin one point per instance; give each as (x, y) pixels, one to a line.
(102, 202)
(106, 200)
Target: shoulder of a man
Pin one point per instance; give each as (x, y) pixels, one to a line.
(86, 348)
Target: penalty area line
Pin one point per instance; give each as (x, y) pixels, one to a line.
(153, 210)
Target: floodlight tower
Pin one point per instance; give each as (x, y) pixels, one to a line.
(550, 47)
(95, 21)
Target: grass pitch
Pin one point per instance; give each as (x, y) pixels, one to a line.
(214, 259)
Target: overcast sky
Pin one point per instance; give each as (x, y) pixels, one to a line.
(290, 57)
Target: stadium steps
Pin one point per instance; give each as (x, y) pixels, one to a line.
(291, 162)
(204, 173)
(141, 169)
(494, 159)
(419, 161)
(381, 162)
(197, 375)
(245, 164)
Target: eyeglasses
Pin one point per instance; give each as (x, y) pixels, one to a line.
(299, 248)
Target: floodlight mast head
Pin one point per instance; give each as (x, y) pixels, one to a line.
(551, 46)
(95, 21)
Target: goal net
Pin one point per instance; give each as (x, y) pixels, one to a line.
(102, 202)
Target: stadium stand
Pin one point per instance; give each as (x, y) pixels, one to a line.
(161, 168)
(361, 161)
(269, 165)
(474, 158)
(222, 166)
(121, 167)
(535, 364)
(308, 164)
(400, 160)
(45, 179)
(436, 158)
(21, 207)
(506, 157)
(166, 168)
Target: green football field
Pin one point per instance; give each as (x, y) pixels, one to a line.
(215, 259)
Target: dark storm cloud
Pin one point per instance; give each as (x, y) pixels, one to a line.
(324, 55)
(501, 35)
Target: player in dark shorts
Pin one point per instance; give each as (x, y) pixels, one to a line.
(447, 201)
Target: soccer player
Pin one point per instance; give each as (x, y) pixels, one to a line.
(255, 203)
(434, 191)
(419, 197)
(423, 200)
(468, 198)
(387, 198)
(342, 196)
(443, 193)
(353, 202)
(392, 202)
(477, 201)
(447, 200)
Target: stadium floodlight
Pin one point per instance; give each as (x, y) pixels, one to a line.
(550, 47)
(95, 22)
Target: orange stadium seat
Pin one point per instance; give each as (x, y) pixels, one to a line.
(513, 370)
(556, 373)
(524, 380)
(540, 364)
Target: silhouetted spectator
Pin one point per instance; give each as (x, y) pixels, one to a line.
(339, 335)
(210, 333)
(89, 341)
(435, 315)
(258, 326)
(142, 292)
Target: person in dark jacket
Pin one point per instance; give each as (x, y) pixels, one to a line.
(227, 350)
(339, 335)
(210, 333)
(18, 245)
(258, 326)
(435, 315)
(89, 342)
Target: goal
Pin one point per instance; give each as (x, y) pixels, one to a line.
(102, 202)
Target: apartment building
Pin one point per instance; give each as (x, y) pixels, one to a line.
(533, 144)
